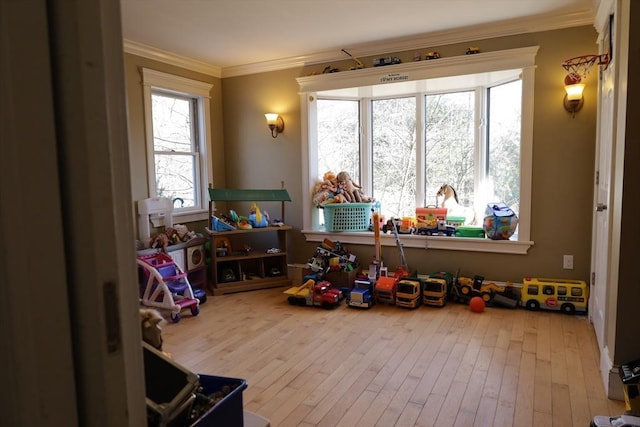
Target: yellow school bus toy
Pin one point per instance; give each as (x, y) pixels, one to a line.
(568, 296)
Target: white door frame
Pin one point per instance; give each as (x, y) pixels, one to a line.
(607, 223)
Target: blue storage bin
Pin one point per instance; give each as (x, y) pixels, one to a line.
(227, 412)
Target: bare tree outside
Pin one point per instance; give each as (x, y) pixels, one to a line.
(449, 144)
(175, 155)
(504, 142)
(452, 146)
(393, 126)
(339, 137)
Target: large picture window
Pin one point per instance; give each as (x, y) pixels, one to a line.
(177, 120)
(402, 141)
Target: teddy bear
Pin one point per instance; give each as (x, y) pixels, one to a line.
(183, 232)
(160, 241)
(150, 320)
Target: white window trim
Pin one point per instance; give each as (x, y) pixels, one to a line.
(152, 79)
(521, 58)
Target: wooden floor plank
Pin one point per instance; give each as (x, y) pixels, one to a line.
(409, 415)
(358, 409)
(523, 416)
(542, 387)
(451, 405)
(388, 366)
(507, 397)
(562, 408)
(375, 410)
(430, 410)
(471, 399)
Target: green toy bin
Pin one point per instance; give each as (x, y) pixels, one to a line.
(470, 231)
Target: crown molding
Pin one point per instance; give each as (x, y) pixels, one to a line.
(171, 58)
(474, 33)
(421, 70)
(545, 22)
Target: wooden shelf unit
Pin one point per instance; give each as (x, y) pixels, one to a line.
(255, 269)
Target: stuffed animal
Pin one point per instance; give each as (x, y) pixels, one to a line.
(337, 189)
(352, 191)
(183, 232)
(160, 241)
(258, 219)
(151, 331)
(325, 190)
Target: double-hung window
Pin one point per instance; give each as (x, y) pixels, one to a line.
(177, 120)
(461, 121)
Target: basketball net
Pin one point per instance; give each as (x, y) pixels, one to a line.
(578, 67)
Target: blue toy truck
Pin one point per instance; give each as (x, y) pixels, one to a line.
(362, 294)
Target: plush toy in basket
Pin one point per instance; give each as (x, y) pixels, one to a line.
(338, 188)
(500, 221)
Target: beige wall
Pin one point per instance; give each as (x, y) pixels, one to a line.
(563, 159)
(563, 155)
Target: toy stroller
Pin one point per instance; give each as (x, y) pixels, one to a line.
(166, 285)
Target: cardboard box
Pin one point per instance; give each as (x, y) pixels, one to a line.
(296, 273)
(342, 279)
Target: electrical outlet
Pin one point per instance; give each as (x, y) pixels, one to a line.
(567, 262)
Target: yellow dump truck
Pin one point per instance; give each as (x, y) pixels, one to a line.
(437, 287)
(486, 289)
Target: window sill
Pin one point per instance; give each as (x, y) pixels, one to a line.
(191, 216)
(424, 242)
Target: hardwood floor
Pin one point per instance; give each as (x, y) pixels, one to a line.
(388, 366)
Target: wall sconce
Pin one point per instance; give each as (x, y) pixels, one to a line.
(275, 123)
(577, 70)
(573, 100)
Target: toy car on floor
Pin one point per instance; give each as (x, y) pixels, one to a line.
(312, 293)
(362, 294)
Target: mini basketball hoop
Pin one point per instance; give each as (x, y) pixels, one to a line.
(578, 67)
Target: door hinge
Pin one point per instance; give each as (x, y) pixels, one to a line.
(597, 177)
(593, 277)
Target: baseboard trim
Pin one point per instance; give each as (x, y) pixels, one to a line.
(610, 376)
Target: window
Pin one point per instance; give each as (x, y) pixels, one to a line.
(393, 140)
(339, 132)
(401, 135)
(177, 120)
(455, 152)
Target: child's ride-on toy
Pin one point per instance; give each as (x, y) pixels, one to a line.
(166, 285)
